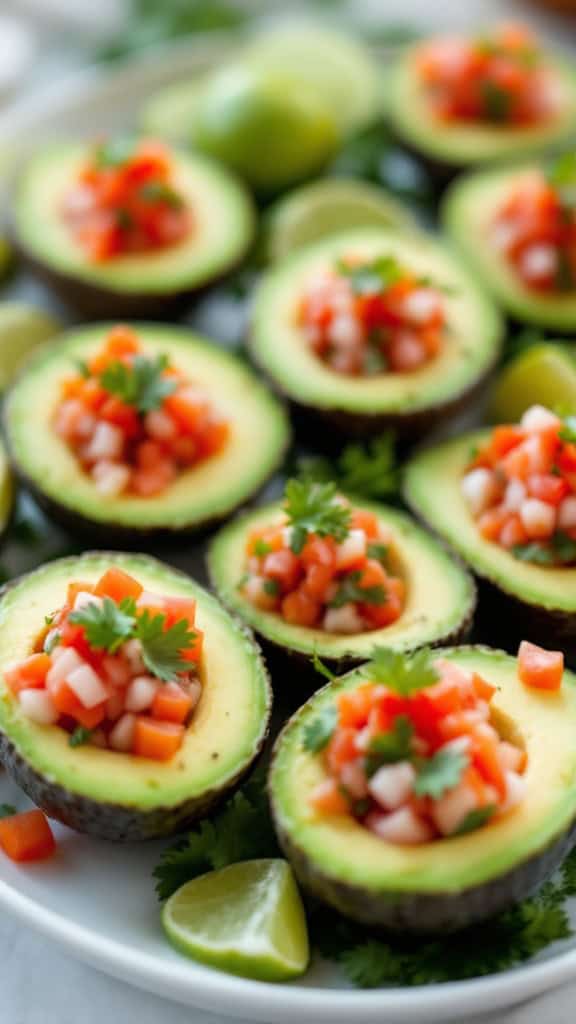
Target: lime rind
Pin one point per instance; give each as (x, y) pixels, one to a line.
(545, 374)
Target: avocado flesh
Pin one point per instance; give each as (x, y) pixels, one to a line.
(459, 144)
(222, 226)
(210, 491)
(120, 796)
(280, 348)
(534, 601)
(449, 883)
(468, 211)
(440, 595)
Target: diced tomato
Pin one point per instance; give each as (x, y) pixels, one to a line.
(150, 455)
(547, 487)
(121, 415)
(326, 798)
(178, 608)
(67, 703)
(284, 567)
(122, 341)
(318, 580)
(26, 837)
(503, 440)
(341, 749)
(540, 668)
(213, 437)
(483, 689)
(459, 723)
(373, 575)
(171, 704)
(491, 523)
(148, 482)
(29, 674)
(567, 458)
(93, 394)
(187, 408)
(354, 706)
(367, 521)
(513, 532)
(319, 551)
(485, 757)
(300, 609)
(381, 615)
(72, 635)
(193, 653)
(117, 584)
(273, 538)
(157, 740)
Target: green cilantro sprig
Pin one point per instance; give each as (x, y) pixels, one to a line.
(319, 731)
(80, 736)
(314, 508)
(107, 625)
(372, 277)
(349, 591)
(405, 674)
(141, 384)
(437, 774)
(560, 549)
(568, 430)
(364, 469)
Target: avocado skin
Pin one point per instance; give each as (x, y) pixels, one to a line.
(121, 822)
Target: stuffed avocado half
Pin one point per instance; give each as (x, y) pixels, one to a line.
(94, 270)
(115, 793)
(226, 432)
(392, 870)
(371, 328)
(385, 582)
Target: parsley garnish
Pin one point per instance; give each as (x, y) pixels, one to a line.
(475, 819)
(322, 669)
(405, 674)
(261, 548)
(7, 810)
(115, 152)
(377, 551)
(108, 625)
(162, 648)
(141, 384)
(373, 277)
(350, 591)
(271, 587)
(367, 470)
(80, 736)
(562, 178)
(437, 774)
(82, 367)
(318, 732)
(497, 102)
(314, 508)
(568, 430)
(160, 192)
(559, 550)
(392, 746)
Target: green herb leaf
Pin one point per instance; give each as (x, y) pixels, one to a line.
(261, 548)
(319, 731)
(568, 430)
(108, 625)
(162, 648)
(82, 367)
(322, 669)
(49, 619)
(363, 470)
(406, 674)
(437, 774)
(392, 746)
(373, 277)
(497, 102)
(115, 152)
(271, 587)
(7, 810)
(559, 550)
(475, 819)
(349, 591)
(161, 192)
(314, 508)
(377, 551)
(141, 384)
(562, 177)
(80, 736)
(51, 641)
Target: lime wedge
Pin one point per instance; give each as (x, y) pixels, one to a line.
(169, 114)
(22, 328)
(246, 919)
(543, 374)
(326, 207)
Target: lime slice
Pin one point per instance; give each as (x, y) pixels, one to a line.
(543, 374)
(169, 113)
(335, 66)
(329, 206)
(246, 919)
(22, 328)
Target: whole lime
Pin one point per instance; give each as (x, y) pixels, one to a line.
(272, 129)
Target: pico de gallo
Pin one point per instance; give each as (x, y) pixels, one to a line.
(324, 565)
(500, 78)
(520, 487)
(135, 422)
(535, 228)
(117, 667)
(369, 317)
(412, 752)
(125, 201)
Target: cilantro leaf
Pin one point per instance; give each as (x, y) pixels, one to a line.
(562, 177)
(271, 587)
(141, 384)
(350, 591)
(475, 819)
(437, 774)
(7, 810)
(404, 673)
(115, 152)
(80, 736)
(392, 746)
(314, 508)
(322, 669)
(161, 192)
(261, 548)
(372, 277)
(568, 430)
(377, 551)
(162, 648)
(497, 102)
(559, 550)
(364, 469)
(318, 732)
(108, 625)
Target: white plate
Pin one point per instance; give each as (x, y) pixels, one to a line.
(97, 899)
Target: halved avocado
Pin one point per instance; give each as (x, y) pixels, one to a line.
(440, 597)
(131, 285)
(449, 883)
(206, 493)
(410, 402)
(468, 212)
(121, 796)
(456, 144)
(534, 601)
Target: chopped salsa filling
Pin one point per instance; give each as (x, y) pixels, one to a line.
(125, 201)
(324, 564)
(535, 228)
(368, 317)
(413, 754)
(500, 78)
(134, 422)
(520, 487)
(117, 667)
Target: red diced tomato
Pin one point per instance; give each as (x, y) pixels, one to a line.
(540, 668)
(26, 837)
(29, 674)
(117, 584)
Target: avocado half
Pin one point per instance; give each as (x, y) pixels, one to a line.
(521, 599)
(200, 496)
(450, 883)
(120, 796)
(148, 284)
(440, 598)
(456, 145)
(412, 403)
(468, 210)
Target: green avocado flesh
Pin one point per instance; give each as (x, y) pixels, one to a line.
(225, 733)
(258, 436)
(469, 209)
(346, 864)
(440, 595)
(280, 347)
(433, 491)
(409, 111)
(222, 229)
